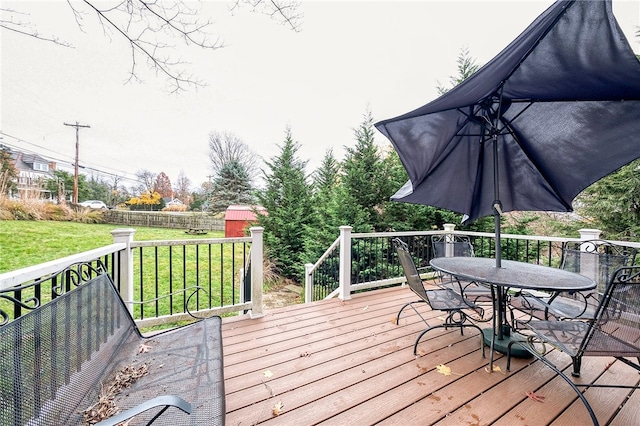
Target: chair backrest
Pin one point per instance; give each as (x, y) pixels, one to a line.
(597, 259)
(461, 245)
(69, 340)
(616, 328)
(409, 267)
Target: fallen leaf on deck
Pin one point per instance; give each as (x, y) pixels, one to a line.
(495, 368)
(443, 369)
(143, 348)
(532, 395)
(304, 354)
(277, 409)
(268, 374)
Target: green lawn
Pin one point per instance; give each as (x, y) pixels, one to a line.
(27, 243)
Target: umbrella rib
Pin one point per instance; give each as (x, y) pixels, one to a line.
(514, 135)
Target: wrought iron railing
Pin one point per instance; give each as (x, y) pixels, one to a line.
(154, 278)
(356, 262)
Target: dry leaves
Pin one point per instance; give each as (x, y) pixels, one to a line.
(267, 374)
(105, 407)
(534, 396)
(495, 368)
(277, 409)
(443, 369)
(144, 348)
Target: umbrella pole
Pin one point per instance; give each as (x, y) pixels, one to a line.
(497, 207)
(497, 210)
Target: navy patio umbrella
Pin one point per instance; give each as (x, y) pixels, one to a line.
(555, 111)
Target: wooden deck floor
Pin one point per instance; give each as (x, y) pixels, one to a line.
(343, 363)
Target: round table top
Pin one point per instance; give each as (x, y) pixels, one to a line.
(513, 274)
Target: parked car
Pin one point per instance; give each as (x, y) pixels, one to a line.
(94, 204)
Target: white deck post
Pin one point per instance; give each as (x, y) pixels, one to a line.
(345, 263)
(308, 283)
(124, 266)
(257, 251)
(449, 246)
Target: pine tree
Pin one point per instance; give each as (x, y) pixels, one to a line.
(324, 228)
(365, 188)
(287, 199)
(231, 186)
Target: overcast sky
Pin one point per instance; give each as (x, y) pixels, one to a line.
(385, 56)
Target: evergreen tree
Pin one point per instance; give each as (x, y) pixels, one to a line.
(405, 216)
(466, 67)
(231, 186)
(234, 167)
(324, 227)
(287, 199)
(613, 203)
(97, 190)
(61, 183)
(365, 187)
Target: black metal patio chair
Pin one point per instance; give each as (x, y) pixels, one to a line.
(460, 245)
(597, 259)
(614, 331)
(442, 299)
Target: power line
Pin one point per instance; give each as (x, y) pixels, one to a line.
(98, 169)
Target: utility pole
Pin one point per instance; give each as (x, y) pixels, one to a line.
(75, 175)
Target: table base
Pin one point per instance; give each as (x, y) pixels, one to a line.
(503, 345)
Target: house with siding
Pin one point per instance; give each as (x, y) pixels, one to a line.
(33, 172)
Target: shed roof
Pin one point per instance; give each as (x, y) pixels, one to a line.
(242, 212)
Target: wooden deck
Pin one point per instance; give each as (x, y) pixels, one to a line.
(342, 363)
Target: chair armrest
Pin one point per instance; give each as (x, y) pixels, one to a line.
(165, 401)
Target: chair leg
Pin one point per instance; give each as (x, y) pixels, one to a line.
(577, 364)
(445, 326)
(556, 370)
(410, 304)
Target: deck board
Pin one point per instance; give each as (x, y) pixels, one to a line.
(347, 362)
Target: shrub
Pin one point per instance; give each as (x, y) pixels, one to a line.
(175, 208)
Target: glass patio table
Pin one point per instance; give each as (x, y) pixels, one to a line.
(511, 274)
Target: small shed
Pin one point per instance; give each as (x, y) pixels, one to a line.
(239, 217)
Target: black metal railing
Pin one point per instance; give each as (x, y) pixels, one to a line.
(163, 274)
(373, 260)
(18, 300)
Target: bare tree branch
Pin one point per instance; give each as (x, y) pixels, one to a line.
(225, 148)
(148, 26)
(151, 27)
(286, 12)
(12, 23)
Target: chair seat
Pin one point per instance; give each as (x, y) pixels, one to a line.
(448, 300)
(561, 307)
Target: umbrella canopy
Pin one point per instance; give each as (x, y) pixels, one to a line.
(556, 110)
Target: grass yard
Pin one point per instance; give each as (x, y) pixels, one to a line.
(27, 243)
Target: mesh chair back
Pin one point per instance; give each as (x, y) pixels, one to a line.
(43, 351)
(616, 328)
(410, 271)
(461, 245)
(596, 259)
